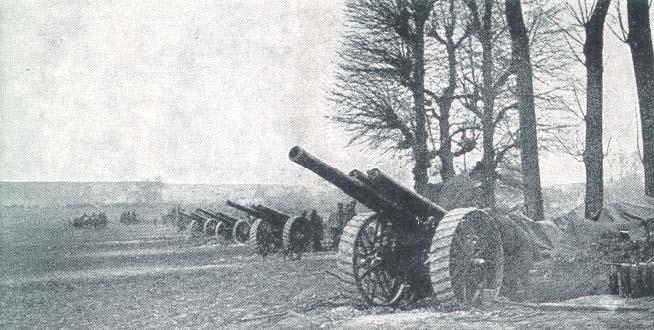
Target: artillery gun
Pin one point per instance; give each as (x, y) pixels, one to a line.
(213, 225)
(410, 247)
(226, 226)
(197, 222)
(242, 228)
(273, 230)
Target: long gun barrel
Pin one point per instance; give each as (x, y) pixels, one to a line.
(272, 213)
(243, 208)
(189, 215)
(396, 191)
(197, 213)
(349, 184)
(225, 217)
(219, 215)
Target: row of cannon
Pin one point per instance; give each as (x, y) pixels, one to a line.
(407, 247)
(265, 229)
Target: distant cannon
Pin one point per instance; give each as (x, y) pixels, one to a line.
(94, 221)
(211, 225)
(197, 222)
(129, 218)
(409, 246)
(273, 230)
(226, 226)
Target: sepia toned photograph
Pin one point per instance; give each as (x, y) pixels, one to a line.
(326, 164)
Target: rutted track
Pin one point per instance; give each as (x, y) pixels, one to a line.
(122, 272)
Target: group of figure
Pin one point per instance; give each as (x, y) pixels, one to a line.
(313, 234)
(129, 218)
(309, 236)
(335, 224)
(338, 220)
(95, 221)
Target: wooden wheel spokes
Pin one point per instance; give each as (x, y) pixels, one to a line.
(466, 257)
(296, 236)
(372, 254)
(262, 238)
(241, 231)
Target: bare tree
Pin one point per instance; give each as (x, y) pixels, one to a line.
(446, 20)
(532, 193)
(484, 32)
(385, 44)
(466, 82)
(383, 62)
(639, 39)
(592, 18)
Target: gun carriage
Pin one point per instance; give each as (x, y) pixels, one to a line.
(213, 226)
(410, 247)
(197, 222)
(226, 226)
(273, 230)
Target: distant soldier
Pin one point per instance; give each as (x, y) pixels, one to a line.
(294, 252)
(335, 225)
(350, 212)
(316, 231)
(85, 220)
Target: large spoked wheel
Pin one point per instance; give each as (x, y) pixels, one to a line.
(261, 238)
(295, 236)
(209, 227)
(367, 261)
(241, 231)
(466, 258)
(221, 232)
(195, 229)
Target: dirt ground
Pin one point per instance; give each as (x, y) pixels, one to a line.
(149, 276)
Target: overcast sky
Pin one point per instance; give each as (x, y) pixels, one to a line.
(195, 91)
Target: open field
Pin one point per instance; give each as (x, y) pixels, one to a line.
(151, 276)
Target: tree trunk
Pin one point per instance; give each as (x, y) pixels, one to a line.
(594, 154)
(420, 151)
(488, 98)
(445, 154)
(531, 187)
(640, 42)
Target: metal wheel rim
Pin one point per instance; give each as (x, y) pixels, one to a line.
(264, 244)
(241, 231)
